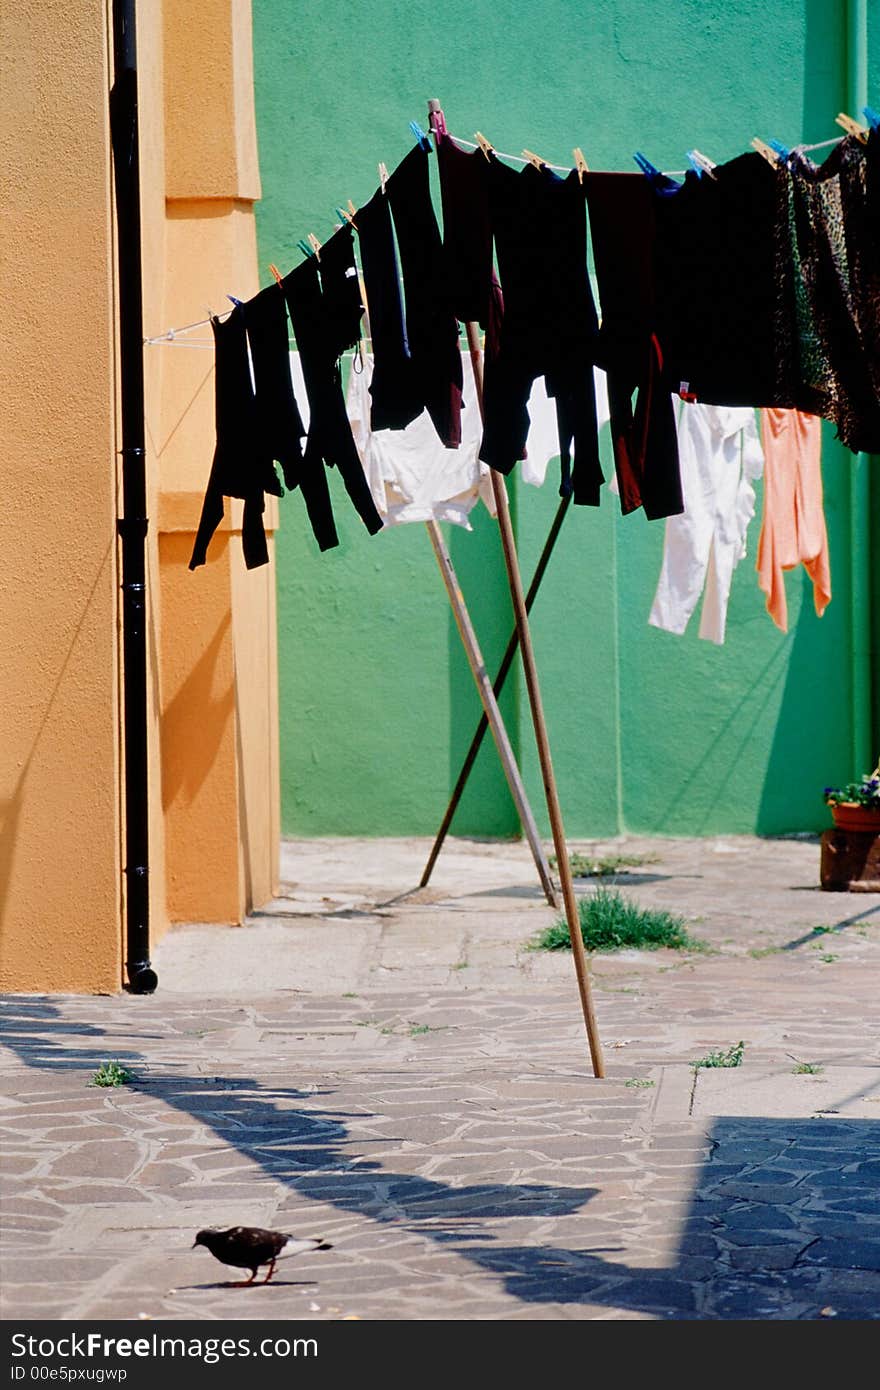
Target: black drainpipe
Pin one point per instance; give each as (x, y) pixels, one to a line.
(132, 527)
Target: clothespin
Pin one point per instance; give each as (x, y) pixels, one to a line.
(645, 164)
(351, 207)
(661, 182)
(383, 176)
(315, 244)
(766, 152)
(420, 135)
(233, 300)
(483, 143)
(872, 116)
(345, 216)
(533, 158)
(852, 127)
(580, 163)
(305, 247)
(276, 273)
(701, 164)
(782, 150)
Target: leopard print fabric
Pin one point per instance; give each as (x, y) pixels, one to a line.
(824, 363)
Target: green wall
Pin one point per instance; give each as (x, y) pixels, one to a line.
(650, 732)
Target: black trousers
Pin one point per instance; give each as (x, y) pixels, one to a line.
(431, 327)
(623, 231)
(330, 439)
(394, 395)
(549, 327)
(241, 465)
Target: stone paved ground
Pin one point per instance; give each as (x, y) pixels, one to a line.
(398, 1073)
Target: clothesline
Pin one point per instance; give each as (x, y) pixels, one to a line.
(171, 334)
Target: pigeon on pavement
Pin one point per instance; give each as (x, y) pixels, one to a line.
(248, 1247)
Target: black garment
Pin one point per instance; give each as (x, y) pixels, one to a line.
(474, 291)
(622, 228)
(278, 417)
(241, 466)
(819, 343)
(860, 201)
(394, 396)
(341, 290)
(549, 327)
(717, 284)
(280, 423)
(330, 438)
(431, 327)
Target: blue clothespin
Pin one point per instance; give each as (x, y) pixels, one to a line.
(661, 182)
(233, 300)
(782, 150)
(420, 135)
(695, 164)
(645, 165)
(872, 116)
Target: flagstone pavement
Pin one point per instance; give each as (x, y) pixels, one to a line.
(396, 1071)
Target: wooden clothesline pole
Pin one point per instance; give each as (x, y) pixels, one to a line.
(497, 687)
(554, 810)
(551, 794)
(492, 713)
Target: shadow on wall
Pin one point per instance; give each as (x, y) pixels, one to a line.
(11, 808)
(783, 1220)
(183, 776)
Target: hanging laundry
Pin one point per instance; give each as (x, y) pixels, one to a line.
(860, 201)
(793, 527)
(394, 389)
(278, 417)
(716, 274)
(475, 294)
(241, 465)
(720, 455)
(341, 291)
(414, 478)
(818, 337)
(622, 228)
(431, 327)
(549, 327)
(543, 440)
(329, 439)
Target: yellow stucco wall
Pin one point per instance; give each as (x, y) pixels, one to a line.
(59, 927)
(211, 646)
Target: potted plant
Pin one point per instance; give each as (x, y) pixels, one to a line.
(857, 805)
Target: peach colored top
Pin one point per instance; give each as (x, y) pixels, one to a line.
(793, 526)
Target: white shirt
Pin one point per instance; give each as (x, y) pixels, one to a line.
(414, 477)
(720, 456)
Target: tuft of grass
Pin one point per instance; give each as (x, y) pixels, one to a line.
(759, 952)
(732, 1057)
(639, 1081)
(821, 931)
(610, 922)
(585, 866)
(828, 959)
(418, 1028)
(807, 1069)
(111, 1074)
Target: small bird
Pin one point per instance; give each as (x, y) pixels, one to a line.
(248, 1247)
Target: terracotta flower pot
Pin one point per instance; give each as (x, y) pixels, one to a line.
(850, 815)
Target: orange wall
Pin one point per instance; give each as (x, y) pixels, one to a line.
(213, 787)
(60, 778)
